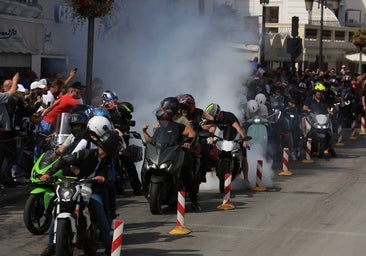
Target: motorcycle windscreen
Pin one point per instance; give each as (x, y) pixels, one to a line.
(63, 129)
(159, 154)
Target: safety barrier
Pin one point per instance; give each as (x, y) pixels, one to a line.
(308, 152)
(353, 130)
(180, 229)
(117, 237)
(226, 204)
(285, 171)
(339, 136)
(258, 183)
(363, 128)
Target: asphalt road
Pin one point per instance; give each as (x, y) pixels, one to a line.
(319, 211)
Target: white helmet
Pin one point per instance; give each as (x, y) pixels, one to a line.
(99, 125)
(252, 106)
(260, 98)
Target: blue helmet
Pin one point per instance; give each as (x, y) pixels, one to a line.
(101, 111)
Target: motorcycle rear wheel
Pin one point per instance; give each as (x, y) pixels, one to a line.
(155, 198)
(64, 246)
(36, 218)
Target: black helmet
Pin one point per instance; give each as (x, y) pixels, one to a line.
(78, 118)
(125, 107)
(167, 109)
(111, 143)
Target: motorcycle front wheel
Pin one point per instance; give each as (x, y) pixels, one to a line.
(222, 168)
(36, 218)
(64, 246)
(155, 198)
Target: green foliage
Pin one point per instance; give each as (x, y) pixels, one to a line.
(359, 38)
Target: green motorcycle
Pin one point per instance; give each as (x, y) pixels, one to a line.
(38, 207)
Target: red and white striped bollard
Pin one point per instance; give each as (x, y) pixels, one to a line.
(180, 229)
(117, 237)
(226, 204)
(285, 171)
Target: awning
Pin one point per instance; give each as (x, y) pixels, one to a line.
(355, 57)
(20, 37)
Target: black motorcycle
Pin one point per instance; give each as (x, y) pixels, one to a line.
(160, 174)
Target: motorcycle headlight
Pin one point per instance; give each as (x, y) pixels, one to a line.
(150, 165)
(165, 166)
(66, 194)
(318, 126)
(256, 120)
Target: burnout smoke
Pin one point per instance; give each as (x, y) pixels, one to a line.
(150, 50)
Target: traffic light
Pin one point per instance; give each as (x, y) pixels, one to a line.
(295, 26)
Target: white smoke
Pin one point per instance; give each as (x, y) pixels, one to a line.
(150, 50)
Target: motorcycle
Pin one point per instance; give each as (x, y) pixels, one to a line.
(37, 213)
(258, 131)
(38, 207)
(319, 129)
(290, 131)
(133, 152)
(160, 174)
(229, 154)
(74, 226)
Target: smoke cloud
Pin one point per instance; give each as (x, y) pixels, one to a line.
(147, 51)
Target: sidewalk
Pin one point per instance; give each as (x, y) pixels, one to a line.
(10, 195)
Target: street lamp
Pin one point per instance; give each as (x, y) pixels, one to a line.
(263, 46)
(309, 8)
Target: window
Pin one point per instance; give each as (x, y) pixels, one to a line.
(272, 14)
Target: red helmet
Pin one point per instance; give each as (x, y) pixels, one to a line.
(186, 101)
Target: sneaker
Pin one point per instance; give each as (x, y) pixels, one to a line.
(48, 251)
(196, 207)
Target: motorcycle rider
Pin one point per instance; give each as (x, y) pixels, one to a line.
(121, 117)
(96, 163)
(169, 131)
(221, 120)
(123, 114)
(187, 107)
(317, 103)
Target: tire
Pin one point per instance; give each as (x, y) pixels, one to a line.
(155, 198)
(64, 246)
(222, 168)
(36, 218)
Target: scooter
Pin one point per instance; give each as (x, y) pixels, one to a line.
(258, 131)
(160, 174)
(319, 129)
(74, 226)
